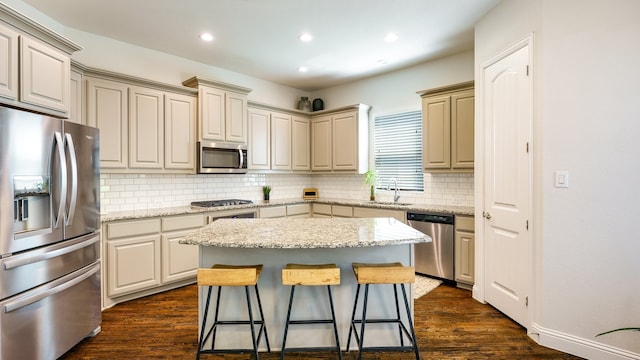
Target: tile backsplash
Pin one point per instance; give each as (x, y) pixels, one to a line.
(122, 192)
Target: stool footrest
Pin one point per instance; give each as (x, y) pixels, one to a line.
(310, 349)
(239, 322)
(303, 322)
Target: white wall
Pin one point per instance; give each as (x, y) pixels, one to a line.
(586, 122)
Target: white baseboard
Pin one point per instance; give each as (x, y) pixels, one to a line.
(578, 346)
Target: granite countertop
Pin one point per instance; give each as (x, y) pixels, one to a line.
(305, 233)
(181, 210)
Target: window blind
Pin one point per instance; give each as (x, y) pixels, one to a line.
(398, 150)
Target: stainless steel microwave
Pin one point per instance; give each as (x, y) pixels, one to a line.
(221, 158)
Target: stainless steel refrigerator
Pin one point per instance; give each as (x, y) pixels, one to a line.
(49, 235)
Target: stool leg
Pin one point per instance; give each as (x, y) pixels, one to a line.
(364, 320)
(286, 325)
(204, 324)
(251, 323)
(335, 326)
(413, 333)
(395, 293)
(264, 326)
(215, 319)
(353, 317)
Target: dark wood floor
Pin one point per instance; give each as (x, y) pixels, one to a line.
(449, 325)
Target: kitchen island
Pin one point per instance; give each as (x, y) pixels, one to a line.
(276, 242)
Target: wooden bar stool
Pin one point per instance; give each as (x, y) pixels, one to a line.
(231, 275)
(384, 273)
(311, 275)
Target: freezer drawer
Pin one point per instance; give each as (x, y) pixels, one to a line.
(45, 322)
(32, 268)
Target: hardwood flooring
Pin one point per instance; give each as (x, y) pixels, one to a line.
(449, 325)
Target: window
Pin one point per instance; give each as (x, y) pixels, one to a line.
(398, 149)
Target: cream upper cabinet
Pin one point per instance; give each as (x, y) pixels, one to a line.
(259, 148)
(44, 75)
(280, 141)
(222, 110)
(76, 100)
(8, 63)
(180, 132)
(146, 128)
(300, 144)
(107, 109)
(340, 140)
(321, 143)
(448, 129)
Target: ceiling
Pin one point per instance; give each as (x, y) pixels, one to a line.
(260, 37)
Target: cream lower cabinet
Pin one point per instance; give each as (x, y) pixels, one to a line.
(464, 250)
(144, 256)
(364, 212)
(289, 211)
(321, 210)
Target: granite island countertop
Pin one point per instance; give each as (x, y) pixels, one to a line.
(305, 233)
(181, 210)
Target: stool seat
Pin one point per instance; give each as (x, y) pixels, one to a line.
(383, 274)
(221, 275)
(310, 275)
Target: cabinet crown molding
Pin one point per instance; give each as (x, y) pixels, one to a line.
(33, 28)
(359, 107)
(446, 89)
(195, 81)
(131, 80)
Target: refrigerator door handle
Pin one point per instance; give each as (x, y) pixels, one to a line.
(63, 181)
(18, 304)
(74, 179)
(14, 263)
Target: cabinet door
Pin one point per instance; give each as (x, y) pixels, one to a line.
(211, 113)
(361, 212)
(345, 141)
(8, 63)
(273, 212)
(236, 117)
(44, 75)
(259, 148)
(179, 261)
(107, 105)
(321, 143)
(280, 141)
(436, 132)
(464, 257)
(146, 128)
(462, 122)
(75, 100)
(180, 132)
(133, 264)
(300, 144)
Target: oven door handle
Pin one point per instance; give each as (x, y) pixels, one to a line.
(11, 264)
(18, 304)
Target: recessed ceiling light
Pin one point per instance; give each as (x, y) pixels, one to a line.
(391, 37)
(303, 69)
(206, 37)
(306, 37)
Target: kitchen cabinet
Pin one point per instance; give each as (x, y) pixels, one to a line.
(222, 110)
(339, 140)
(448, 128)
(321, 210)
(273, 212)
(278, 139)
(36, 67)
(289, 211)
(464, 251)
(76, 100)
(341, 211)
(143, 129)
(144, 256)
(365, 212)
(299, 211)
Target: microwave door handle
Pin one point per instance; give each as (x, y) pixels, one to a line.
(63, 180)
(241, 159)
(74, 179)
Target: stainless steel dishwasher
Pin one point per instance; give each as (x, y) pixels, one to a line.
(437, 257)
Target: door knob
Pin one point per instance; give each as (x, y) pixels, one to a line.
(485, 214)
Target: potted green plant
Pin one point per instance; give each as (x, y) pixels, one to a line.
(370, 178)
(265, 191)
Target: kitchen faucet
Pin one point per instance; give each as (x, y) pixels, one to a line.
(396, 194)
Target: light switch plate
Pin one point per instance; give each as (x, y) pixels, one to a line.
(561, 179)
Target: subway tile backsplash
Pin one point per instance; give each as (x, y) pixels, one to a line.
(122, 192)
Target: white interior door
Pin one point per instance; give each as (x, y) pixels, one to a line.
(507, 116)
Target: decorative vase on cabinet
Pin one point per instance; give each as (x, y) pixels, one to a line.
(304, 104)
(318, 104)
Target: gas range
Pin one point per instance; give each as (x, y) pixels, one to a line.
(215, 203)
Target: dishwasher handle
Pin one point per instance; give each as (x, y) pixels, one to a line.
(431, 218)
